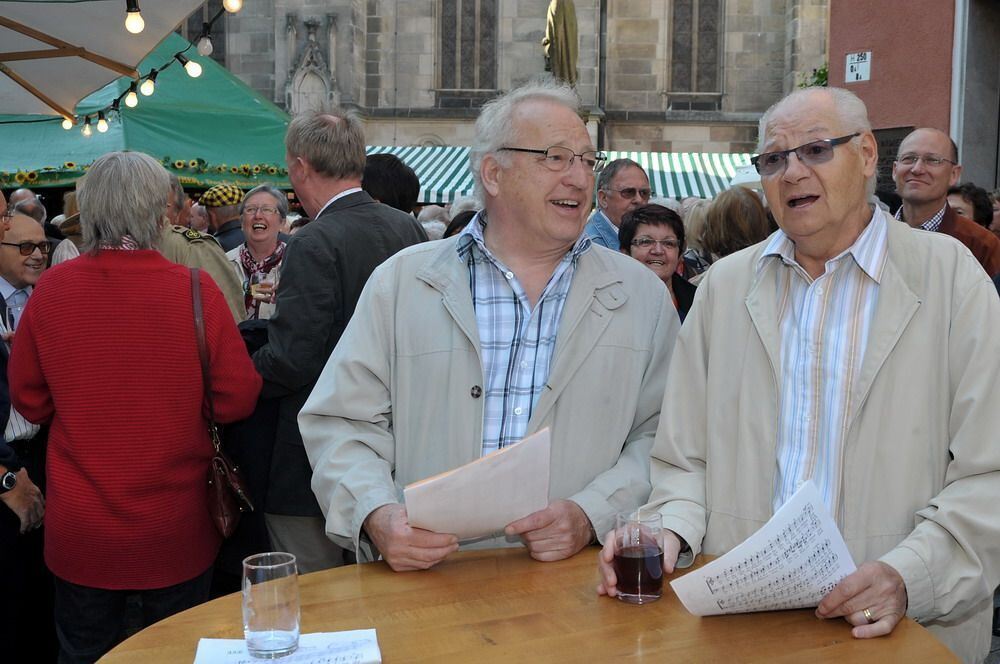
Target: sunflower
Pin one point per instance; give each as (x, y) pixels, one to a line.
(234, 169)
(256, 169)
(20, 177)
(32, 176)
(69, 165)
(193, 163)
(179, 164)
(271, 170)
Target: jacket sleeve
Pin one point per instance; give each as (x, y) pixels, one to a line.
(212, 259)
(951, 560)
(235, 382)
(677, 464)
(626, 484)
(298, 332)
(346, 423)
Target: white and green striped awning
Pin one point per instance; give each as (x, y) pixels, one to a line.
(444, 171)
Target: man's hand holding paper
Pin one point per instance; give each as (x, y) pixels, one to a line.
(404, 547)
(554, 533)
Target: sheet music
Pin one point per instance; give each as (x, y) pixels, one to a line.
(792, 562)
(359, 646)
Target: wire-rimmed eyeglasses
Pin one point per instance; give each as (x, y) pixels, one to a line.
(559, 158)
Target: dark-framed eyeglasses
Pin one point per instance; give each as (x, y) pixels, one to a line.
(810, 154)
(928, 159)
(559, 158)
(630, 192)
(28, 248)
(645, 242)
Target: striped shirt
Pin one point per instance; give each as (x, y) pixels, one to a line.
(824, 326)
(931, 224)
(516, 341)
(15, 299)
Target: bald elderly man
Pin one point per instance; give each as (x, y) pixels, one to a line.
(847, 349)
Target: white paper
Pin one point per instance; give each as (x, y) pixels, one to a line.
(792, 562)
(358, 646)
(481, 497)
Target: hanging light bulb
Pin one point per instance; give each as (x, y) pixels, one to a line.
(102, 123)
(192, 68)
(132, 99)
(67, 124)
(205, 46)
(133, 19)
(232, 6)
(86, 128)
(149, 85)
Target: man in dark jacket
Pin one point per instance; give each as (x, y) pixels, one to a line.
(326, 266)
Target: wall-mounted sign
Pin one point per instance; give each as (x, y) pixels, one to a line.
(859, 67)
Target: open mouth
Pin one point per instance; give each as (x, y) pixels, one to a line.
(802, 201)
(566, 203)
(655, 263)
(259, 227)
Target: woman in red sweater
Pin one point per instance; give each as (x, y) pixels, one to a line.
(106, 353)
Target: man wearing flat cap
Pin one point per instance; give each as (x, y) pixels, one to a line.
(222, 202)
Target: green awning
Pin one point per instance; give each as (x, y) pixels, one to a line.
(444, 171)
(207, 130)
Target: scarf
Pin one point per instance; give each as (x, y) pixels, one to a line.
(262, 268)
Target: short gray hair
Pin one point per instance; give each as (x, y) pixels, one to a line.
(280, 200)
(123, 193)
(612, 169)
(333, 143)
(851, 111)
(495, 124)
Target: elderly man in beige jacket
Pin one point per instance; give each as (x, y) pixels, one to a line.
(857, 352)
(463, 346)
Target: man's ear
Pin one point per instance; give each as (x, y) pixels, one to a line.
(869, 153)
(956, 174)
(602, 199)
(491, 173)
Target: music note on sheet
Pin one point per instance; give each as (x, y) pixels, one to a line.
(792, 562)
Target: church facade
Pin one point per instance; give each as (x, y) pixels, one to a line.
(653, 75)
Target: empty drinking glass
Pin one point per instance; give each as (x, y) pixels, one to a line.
(270, 604)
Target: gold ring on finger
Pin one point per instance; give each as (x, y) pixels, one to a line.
(868, 616)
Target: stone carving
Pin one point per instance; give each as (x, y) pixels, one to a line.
(311, 85)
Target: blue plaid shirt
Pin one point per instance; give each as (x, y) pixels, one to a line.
(516, 342)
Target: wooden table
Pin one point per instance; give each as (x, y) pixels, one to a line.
(502, 606)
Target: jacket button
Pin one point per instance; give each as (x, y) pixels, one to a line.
(476, 391)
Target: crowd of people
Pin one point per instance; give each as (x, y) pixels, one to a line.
(700, 357)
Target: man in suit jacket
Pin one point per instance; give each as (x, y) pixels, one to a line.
(327, 265)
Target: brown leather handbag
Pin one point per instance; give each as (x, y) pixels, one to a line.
(228, 496)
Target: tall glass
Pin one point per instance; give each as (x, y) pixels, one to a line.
(639, 556)
(270, 604)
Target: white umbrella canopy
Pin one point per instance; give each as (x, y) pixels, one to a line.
(53, 54)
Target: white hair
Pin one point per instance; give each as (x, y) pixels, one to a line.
(495, 125)
(462, 204)
(851, 111)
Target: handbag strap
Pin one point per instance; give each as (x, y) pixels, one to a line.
(206, 377)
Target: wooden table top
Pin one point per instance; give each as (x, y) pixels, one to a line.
(500, 605)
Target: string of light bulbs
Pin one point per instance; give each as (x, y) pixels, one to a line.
(145, 85)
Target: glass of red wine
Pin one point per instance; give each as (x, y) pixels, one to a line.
(639, 556)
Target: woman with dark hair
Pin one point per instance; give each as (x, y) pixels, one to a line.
(654, 235)
(106, 353)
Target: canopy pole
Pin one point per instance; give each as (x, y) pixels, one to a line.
(107, 63)
(4, 69)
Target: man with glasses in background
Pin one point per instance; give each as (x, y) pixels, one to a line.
(925, 168)
(24, 250)
(622, 186)
(462, 347)
(852, 351)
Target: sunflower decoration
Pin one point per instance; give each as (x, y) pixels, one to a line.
(221, 168)
(234, 170)
(193, 163)
(271, 170)
(179, 164)
(32, 176)
(69, 165)
(256, 169)
(20, 177)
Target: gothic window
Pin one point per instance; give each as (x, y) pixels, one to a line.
(695, 72)
(467, 52)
